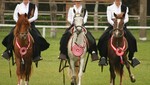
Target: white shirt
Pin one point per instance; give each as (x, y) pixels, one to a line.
(117, 10)
(22, 9)
(78, 10)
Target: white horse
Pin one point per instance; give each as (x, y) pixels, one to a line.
(77, 48)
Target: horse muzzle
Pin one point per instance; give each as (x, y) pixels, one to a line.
(23, 36)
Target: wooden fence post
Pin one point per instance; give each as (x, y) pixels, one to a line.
(143, 19)
(2, 8)
(53, 11)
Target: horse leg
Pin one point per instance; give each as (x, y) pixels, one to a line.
(112, 75)
(18, 72)
(81, 70)
(132, 78)
(27, 80)
(72, 63)
(121, 74)
(28, 72)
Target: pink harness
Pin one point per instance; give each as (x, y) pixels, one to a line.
(120, 50)
(76, 49)
(23, 50)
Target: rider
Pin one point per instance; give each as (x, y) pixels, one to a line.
(118, 8)
(77, 8)
(40, 43)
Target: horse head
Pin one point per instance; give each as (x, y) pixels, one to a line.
(118, 25)
(78, 23)
(22, 26)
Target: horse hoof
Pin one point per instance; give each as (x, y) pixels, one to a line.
(132, 79)
(72, 83)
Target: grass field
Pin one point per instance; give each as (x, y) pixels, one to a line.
(47, 72)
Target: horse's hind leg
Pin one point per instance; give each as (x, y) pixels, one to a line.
(129, 71)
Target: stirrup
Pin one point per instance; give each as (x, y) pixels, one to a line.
(135, 62)
(103, 62)
(6, 55)
(94, 57)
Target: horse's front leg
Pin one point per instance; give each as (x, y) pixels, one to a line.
(132, 78)
(27, 80)
(81, 70)
(121, 74)
(112, 75)
(28, 71)
(18, 71)
(73, 78)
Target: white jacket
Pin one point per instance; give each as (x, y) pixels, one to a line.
(78, 10)
(117, 10)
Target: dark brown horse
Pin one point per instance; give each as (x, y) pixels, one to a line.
(23, 50)
(117, 51)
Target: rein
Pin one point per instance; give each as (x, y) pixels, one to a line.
(119, 50)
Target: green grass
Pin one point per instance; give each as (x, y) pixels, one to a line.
(47, 72)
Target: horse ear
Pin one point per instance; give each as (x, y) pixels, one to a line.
(18, 14)
(26, 15)
(124, 15)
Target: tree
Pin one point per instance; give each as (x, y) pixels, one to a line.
(36, 2)
(96, 14)
(53, 15)
(143, 19)
(2, 8)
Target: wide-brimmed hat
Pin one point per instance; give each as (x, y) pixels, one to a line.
(77, 0)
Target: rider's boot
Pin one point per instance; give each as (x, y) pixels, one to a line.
(103, 61)
(37, 58)
(62, 56)
(94, 56)
(7, 54)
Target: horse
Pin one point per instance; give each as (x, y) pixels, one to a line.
(77, 48)
(117, 51)
(23, 49)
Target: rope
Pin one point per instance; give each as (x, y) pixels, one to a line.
(9, 69)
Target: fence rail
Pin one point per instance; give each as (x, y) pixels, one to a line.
(44, 27)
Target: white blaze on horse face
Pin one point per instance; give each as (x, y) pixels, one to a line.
(118, 21)
(78, 21)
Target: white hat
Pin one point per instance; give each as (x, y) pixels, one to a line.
(76, 0)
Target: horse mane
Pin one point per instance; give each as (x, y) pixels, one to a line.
(22, 19)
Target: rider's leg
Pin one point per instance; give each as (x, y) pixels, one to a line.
(40, 44)
(8, 43)
(36, 52)
(102, 46)
(92, 46)
(132, 45)
(63, 44)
